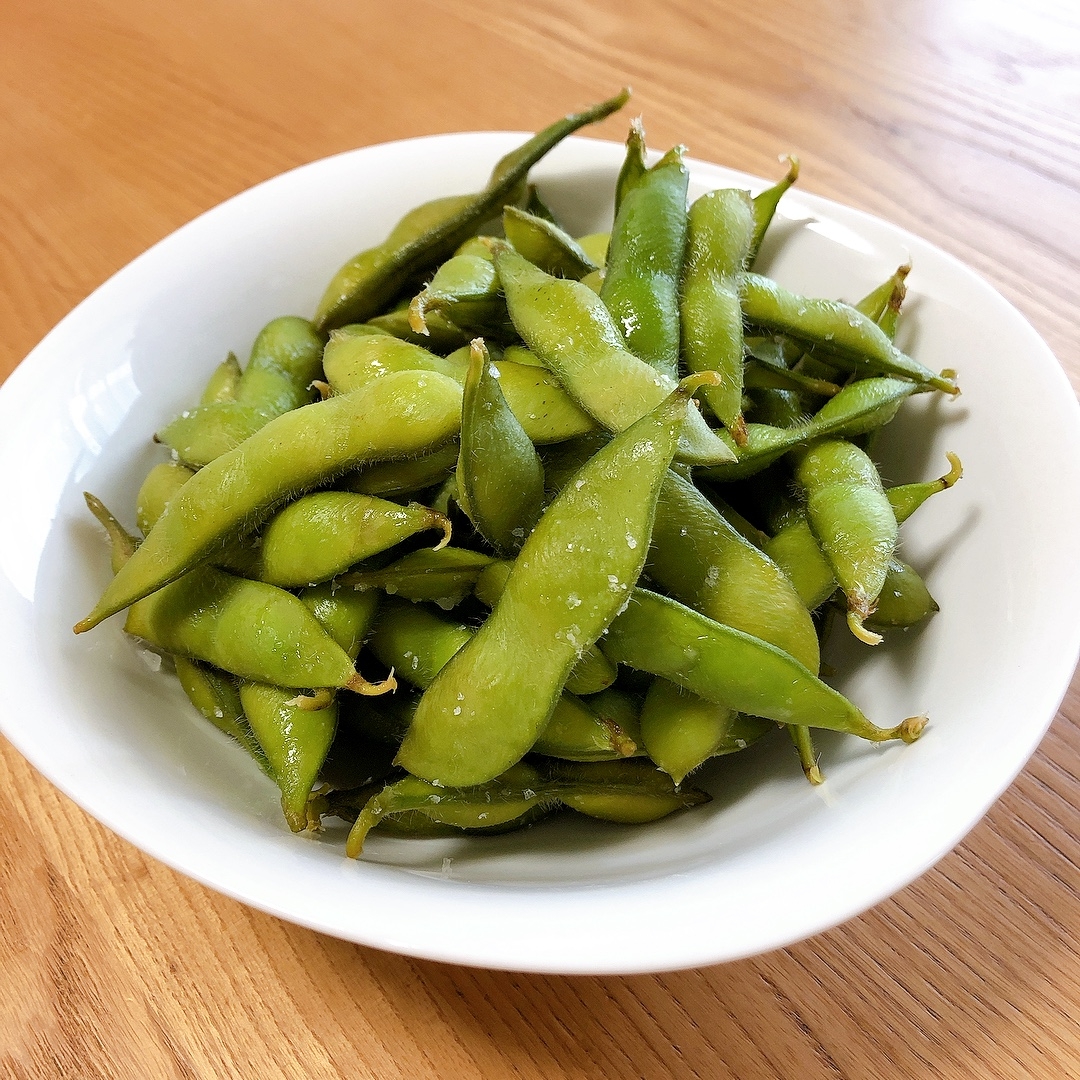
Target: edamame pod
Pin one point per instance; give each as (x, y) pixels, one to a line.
(569, 329)
(398, 415)
(440, 333)
(285, 359)
(841, 330)
(497, 801)
(406, 476)
(253, 630)
(905, 499)
(592, 673)
(645, 262)
(853, 521)
(444, 577)
(662, 636)
(718, 239)
(217, 697)
(121, 543)
(223, 383)
(627, 792)
(369, 281)
(681, 731)
(542, 407)
(545, 245)
(499, 476)
(321, 535)
(295, 741)
(466, 288)
(765, 204)
(699, 557)
(486, 708)
(904, 599)
(859, 407)
(634, 165)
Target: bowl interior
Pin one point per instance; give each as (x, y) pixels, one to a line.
(770, 859)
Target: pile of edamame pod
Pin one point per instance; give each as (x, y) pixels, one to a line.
(521, 522)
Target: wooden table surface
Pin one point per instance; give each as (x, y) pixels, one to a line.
(119, 121)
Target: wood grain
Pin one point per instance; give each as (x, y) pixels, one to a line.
(955, 118)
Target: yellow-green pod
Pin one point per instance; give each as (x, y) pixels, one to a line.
(681, 730)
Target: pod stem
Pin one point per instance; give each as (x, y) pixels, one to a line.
(359, 685)
(313, 702)
(955, 472)
(441, 521)
(417, 314)
(855, 625)
(621, 743)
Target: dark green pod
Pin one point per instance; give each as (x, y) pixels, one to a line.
(645, 262)
(499, 475)
(546, 245)
(369, 281)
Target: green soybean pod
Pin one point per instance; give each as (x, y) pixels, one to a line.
(592, 673)
(441, 333)
(157, 490)
(576, 732)
(905, 499)
(569, 329)
(217, 697)
(223, 382)
(860, 407)
(904, 599)
(403, 477)
(487, 707)
(681, 731)
(121, 543)
(250, 629)
(370, 280)
(702, 560)
(853, 520)
(535, 205)
(544, 244)
(295, 741)
(465, 288)
(398, 415)
(321, 535)
(627, 792)
(718, 243)
(837, 328)
(540, 404)
(765, 204)
(634, 165)
(499, 474)
(416, 642)
(721, 664)
(645, 261)
(595, 245)
(444, 577)
(285, 358)
(498, 801)
(795, 549)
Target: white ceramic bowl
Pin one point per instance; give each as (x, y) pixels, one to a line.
(770, 860)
